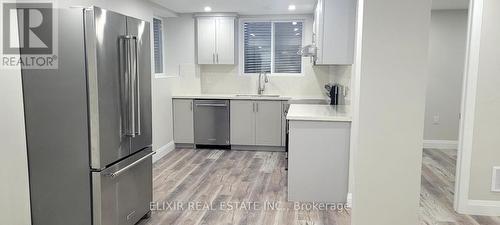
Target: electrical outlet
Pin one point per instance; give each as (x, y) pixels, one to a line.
(495, 179)
(435, 119)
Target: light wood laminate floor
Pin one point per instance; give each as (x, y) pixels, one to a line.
(220, 177)
(438, 187)
(189, 176)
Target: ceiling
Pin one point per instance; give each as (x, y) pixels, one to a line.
(260, 7)
(450, 4)
(244, 7)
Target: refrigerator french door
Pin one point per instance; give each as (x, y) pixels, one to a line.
(88, 122)
(119, 83)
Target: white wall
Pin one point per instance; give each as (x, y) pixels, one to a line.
(486, 130)
(390, 76)
(14, 188)
(182, 75)
(446, 64)
(183, 72)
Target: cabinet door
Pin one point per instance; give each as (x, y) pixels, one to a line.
(318, 31)
(206, 40)
(337, 22)
(284, 110)
(268, 123)
(242, 122)
(183, 121)
(225, 44)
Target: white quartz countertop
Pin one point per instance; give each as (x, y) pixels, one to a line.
(248, 97)
(312, 112)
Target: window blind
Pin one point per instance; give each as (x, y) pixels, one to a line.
(287, 42)
(257, 47)
(158, 45)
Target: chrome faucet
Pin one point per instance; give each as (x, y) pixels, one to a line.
(262, 87)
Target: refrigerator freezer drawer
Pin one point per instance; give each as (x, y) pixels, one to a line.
(122, 193)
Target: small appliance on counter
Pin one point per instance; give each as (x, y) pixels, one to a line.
(333, 91)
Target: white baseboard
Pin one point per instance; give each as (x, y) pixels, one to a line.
(163, 151)
(481, 208)
(441, 144)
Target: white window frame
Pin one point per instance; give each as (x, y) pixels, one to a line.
(241, 42)
(163, 37)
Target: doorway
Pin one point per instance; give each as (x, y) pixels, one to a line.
(447, 144)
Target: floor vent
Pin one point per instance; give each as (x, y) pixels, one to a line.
(495, 180)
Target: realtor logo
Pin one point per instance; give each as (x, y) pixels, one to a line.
(29, 30)
(31, 24)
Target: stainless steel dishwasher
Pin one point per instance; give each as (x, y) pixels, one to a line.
(211, 122)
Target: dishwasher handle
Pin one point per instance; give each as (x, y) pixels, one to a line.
(210, 105)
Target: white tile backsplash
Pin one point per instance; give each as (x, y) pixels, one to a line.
(225, 79)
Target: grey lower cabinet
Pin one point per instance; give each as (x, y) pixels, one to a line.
(268, 123)
(256, 123)
(242, 122)
(318, 161)
(183, 121)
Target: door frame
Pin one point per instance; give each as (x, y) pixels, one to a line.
(462, 203)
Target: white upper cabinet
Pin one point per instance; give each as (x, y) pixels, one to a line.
(225, 40)
(334, 31)
(206, 40)
(216, 40)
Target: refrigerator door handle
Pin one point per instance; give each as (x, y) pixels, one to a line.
(131, 85)
(120, 171)
(124, 85)
(131, 89)
(137, 88)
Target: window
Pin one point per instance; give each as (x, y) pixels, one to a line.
(257, 46)
(272, 47)
(158, 45)
(287, 43)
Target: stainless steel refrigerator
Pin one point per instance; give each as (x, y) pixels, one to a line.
(88, 123)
